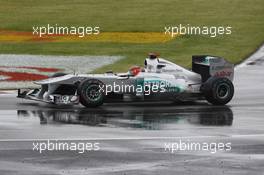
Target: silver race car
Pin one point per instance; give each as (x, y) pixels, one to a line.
(161, 80)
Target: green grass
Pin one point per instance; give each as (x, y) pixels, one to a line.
(245, 17)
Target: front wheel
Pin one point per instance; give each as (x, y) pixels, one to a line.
(90, 93)
(218, 91)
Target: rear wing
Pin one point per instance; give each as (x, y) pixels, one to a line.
(210, 66)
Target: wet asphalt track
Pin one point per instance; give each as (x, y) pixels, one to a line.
(132, 136)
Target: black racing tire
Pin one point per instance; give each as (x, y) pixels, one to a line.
(90, 93)
(218, 90)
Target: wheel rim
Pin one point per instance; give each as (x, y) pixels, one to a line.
(223, 91)
(93, 93)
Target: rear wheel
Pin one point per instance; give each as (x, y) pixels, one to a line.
(218, 91)
(91, 94)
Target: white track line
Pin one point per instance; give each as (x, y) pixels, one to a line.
(132, 138)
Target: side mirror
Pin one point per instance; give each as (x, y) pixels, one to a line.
(109, 72)
(160, 66)
(123, 77)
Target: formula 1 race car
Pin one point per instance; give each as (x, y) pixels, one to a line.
(161, 80)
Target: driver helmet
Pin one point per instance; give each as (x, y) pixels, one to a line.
(134, 70)
(153, 55)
